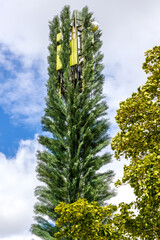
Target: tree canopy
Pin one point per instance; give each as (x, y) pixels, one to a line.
(83, 220)
(139, 141)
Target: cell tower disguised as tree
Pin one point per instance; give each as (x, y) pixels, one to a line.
(75, 118)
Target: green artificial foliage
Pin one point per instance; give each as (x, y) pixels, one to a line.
(76, 127)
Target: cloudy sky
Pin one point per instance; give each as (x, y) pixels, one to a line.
(129, 29)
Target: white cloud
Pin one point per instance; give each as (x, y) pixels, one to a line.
(24, 236)
(24, 27)
(129, 28)
(22, 94)
(125, 192)
(17, 183)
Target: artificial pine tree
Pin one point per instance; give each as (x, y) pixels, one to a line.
(75, 120)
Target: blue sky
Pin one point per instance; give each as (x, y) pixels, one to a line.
(21, 100)
(129, 29)
(11, 134)
(12, 129)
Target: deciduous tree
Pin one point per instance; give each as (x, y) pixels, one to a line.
(139, 140)
(83, 220)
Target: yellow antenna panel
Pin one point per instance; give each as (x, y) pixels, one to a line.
(59, 63)
(59, 37)
(74, 52)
